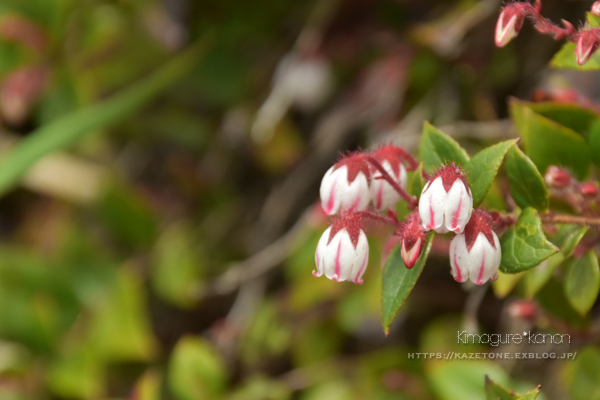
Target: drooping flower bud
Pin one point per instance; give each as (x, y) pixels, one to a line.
(587, 44)
(446, 202)
(509, 24)
(476, 254)
(343, 251)
(596, 9)
(413, 238)
(383, 195)
(345, 186)
(556, 177)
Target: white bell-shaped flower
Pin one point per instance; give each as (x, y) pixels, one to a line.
(345, 186)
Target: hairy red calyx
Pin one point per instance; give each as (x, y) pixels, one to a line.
(411, 231)
(394, 156)
(352, 222)
(355, 162)
(480, 222)
(449, 174)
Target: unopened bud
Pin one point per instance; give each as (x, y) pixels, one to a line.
(413, 239)
(345, 186)
(524, 309)
(587, 44)
(383, 195)
(589, 190)
(446, 202)
(509, 24)
(557, 177)
(475, 254)
(343, 250)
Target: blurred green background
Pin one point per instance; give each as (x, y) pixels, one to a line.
(159, 169)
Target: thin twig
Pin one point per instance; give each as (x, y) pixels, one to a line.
(569, 219)
(412, 201)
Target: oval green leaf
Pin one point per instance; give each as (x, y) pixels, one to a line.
(398, 282)
(524, 245)
(548, 143)
(527, 186)
(583, 283)
(483, 167)
(437, 148)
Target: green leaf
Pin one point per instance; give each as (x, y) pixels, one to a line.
(148, 386)
(592, 20)
(483, 167)
(594, 142)
(494, 391)
(549, 143)
(437, 148)
(583, 283)
(570, 115)
(196, 370)
(565, 58)
(585, 383)
(505, 283)
(398, 282)
(568, 237)
(65, 131)
(527, 186)
(524, 245)
(416, 183)
(463, 379)
(531, 395)
(552, 300)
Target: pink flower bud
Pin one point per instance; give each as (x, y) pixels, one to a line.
(509, 24)
(589, 190)
(525, 309)
(596, 9)
(345, 186)
(587, 44)
(343, 251)
(413, 239)
(557, 177)
(383, 195)
(476, 254)
(446, 202)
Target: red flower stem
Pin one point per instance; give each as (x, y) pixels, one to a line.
(412, 163)
(544, 26)
(569, 219)
(412, 201)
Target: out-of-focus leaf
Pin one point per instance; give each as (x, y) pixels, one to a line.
(549, 143)
(331, 390)
(565, 58)
(398, 282)
(537, 277)
(463, 379)
(77, 374)
(261, 388)
(178, 266)
(494, 199)
(196, 370)
(553, 300)
(494, 391)
(315, 343)
(527, 186)
(524, 245)
(483, 167)
(267, 335)
(568, 237)
(569, 115)
(585, 381)
(505, 283)
(583, 282)
(594, 142)
(120, 329)
(147, 387)
(128, 215)
(65, 131)
(437, 148)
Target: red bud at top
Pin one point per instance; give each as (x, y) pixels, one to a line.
(589, 190)
(557, 177)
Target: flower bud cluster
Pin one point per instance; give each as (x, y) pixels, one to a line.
(446, 204)
(360, 179)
